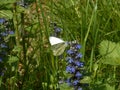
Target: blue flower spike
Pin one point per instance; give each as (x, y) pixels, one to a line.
(73, 66)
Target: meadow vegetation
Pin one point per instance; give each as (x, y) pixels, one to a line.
(27, 61)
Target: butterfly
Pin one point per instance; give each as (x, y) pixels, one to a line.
(57, 45)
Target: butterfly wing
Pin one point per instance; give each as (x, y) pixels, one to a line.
(58, 45)
(58, 49)
(54, 40)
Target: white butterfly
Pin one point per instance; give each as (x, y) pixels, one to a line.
(58, 45)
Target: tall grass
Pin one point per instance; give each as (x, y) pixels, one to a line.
(30, 63)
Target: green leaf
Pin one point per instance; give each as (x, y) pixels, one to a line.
(6, 14)
(109, 87)
(110, 52)
(20, 9)
(86, 79)
(6, 8)
(65, 86)
(7, 2)
(104, 87)
(16, 49)
(13, 59)
(95, 67)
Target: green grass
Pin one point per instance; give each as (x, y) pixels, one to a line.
(30, 63)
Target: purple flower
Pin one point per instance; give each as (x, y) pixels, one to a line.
(70, 69)
(77, 46)
(2, 20)
(3, 33)
(78, 56)
(79, 64)
(78, 75)
(57, 30)
(70, 60)
(3, 45)
(69, 81)
(70, 52)
(11, 32)
(79, 88)
(74, 65)
(75, 82)
(1, 74)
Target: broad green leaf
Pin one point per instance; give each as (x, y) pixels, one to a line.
(6, 14)
(110, 52)
(86, 79)
(110, 61)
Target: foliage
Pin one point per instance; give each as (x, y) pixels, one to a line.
(26, 59)
(110, 52)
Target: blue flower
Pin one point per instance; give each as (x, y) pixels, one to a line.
(2, 20)
(78, 56)
(11, 32)
(78, 75)
(79, 64)
(70, 52)
(79, 88)
(77, 46)
(75, 82)
(2, 45)
(3, 33)
(74, 64)
(70, 60)
(68, 81)
(70, 69)
(1, 74)
(57, 29)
